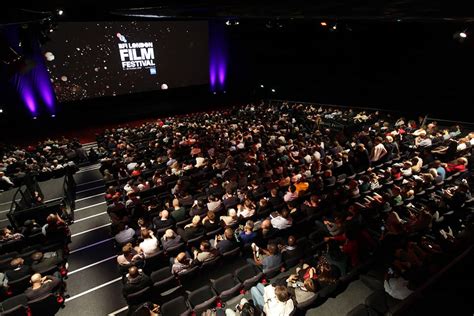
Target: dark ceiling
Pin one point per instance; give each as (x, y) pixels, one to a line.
(419, 10)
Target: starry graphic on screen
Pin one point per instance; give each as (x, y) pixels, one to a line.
(88, 60)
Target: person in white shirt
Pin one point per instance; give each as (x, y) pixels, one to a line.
(396, 286)
(149, 245)
(378, 151)
(247, 210)
(125, 234)
(273, 300)
(282, 221)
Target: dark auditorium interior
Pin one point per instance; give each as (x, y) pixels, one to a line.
(236, 158)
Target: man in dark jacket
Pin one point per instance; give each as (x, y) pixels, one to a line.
(135, 281)
(18, 270)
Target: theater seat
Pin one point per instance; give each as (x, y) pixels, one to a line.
(232, 254)
(19, 286)
(176, 307)
(362, 310)
(15, 305)
(249, 275)
(226, 287)
(380, 301)
(187, 277)
(139, 297)
(163, 279)
(46, 305)
(202, 299)
(270, 273)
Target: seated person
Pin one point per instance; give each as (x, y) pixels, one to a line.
(248, 236)
(178, 213)
(30, 227)
(135, 281)
(281, 220)
(266, 258)
(193, 230)
(170, 239)
(231, 217)
(130, 255)
(181, 264)
(290, 250)
(199, 208)
(18, 270)
(163, 220)
(273, 300)
(205, 252)
(7, 234)
(125, 234)
(226, 242)
(209, 222)
(41, 261)
(247, 210)
(302, 291)
(149, 245)
(42, 285)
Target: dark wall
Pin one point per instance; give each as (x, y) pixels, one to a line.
(405, 66)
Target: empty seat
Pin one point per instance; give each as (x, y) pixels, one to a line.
(163, 279)
(202, 299)
(362, 310)
(15, 305)
(380, 301)
(175, 250)
(46, 305)
(19, 286)
(231, 254)
(154, 262)
(139, 297)
(249, 275)
(175, 307)
(270, 273)
(187, 276)
(226, 287)
(209, 265)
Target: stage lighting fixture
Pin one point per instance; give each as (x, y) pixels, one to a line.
(399, 20)
(227, 22)
(214, 92)
(463, 34)
(324, 24)
(60, 12)
(334, 27)
(273, 90)
(1, 110)
(262, 86)
(53, 115)
(237, 22)
(35, 117)
(164, 86)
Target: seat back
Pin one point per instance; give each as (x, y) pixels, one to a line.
(229, 255)
(19, 286)
(19, 310)
(139, 297)
(175, 307)
(202, 299)
(46, 305)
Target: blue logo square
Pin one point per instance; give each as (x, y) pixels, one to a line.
(152, 71)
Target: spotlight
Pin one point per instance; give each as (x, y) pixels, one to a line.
(463, 34)
(262, 86)
(1, 110)
(224, 91)
(273, 90)
(237, 22)
(324, 24)
(399, 20)
(227, 22)
(214, 92)
(51, 30)
(34, 117)
(334, 27)
(53, 115)
(60, 12)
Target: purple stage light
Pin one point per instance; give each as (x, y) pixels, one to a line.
(222, 72)
(29, 99)
(212, 75)
(44, 87)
